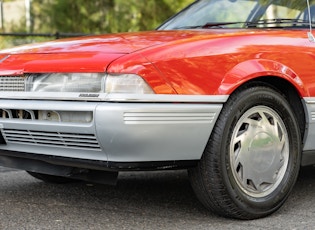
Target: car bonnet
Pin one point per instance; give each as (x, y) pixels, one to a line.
(83, 54)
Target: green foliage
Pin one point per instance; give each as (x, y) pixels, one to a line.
(102, 16)
(92, 17)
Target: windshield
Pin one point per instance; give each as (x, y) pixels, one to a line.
(242, 14)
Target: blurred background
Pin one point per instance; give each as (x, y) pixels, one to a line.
(28, 21)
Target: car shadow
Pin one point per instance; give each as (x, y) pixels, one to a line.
(143, 192)
(159, 194)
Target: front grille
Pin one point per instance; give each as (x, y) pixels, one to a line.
(53, 139)
(12, 83)
(47, 115)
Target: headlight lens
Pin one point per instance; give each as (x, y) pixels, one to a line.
(127, 83)
(87, 83)
(66, 82)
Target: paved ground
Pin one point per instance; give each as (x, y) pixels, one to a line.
(139, 201)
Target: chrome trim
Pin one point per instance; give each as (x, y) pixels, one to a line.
(114, 97)
(168, 98)
(53, 96)
(167, 117)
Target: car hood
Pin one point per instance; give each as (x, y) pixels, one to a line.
(90, 53)
(83, 54)
(122, 43)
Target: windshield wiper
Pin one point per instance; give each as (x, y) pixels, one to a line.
(210, 25)
(275, 22)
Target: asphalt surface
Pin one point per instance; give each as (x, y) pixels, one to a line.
(159, 200)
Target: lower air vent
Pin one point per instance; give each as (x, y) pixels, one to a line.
(53, 139)
(12, 83)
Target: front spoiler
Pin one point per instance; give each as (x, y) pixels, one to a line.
(88, 170)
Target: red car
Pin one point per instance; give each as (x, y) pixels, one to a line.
(225, 88)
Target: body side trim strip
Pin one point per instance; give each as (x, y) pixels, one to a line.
(115, 97)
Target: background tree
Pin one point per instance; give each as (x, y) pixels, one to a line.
(102, 16)
(91, 17)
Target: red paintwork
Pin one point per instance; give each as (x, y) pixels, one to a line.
(206, 62)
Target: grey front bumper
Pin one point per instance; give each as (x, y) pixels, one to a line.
(116, 132)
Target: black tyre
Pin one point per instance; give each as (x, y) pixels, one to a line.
(51, 178)
(252, 158)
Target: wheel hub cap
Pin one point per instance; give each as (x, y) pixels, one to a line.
(259, 151)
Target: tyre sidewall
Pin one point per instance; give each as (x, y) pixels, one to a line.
(232, 113)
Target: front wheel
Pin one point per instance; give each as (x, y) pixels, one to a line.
(252, 158)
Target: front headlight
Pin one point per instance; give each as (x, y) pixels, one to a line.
(87, 83)
(127, 83)
(66, 82)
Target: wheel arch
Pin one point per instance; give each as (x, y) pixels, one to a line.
(285, 88)
(277, 75)
(256, 69)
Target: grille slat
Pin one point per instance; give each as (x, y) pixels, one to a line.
(12, 83)
(39, 138)
(50, 134)
(56, 139)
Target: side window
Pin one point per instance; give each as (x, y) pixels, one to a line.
(305, 14)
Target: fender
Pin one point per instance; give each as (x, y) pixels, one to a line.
(255, 68)
(138, 64)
